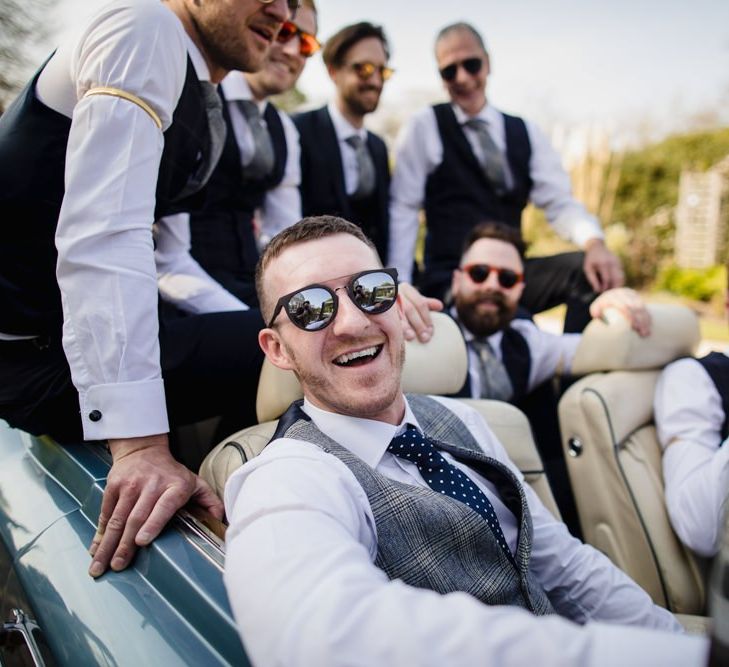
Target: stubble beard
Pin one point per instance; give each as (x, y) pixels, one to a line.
(226, 49)
(326, 393)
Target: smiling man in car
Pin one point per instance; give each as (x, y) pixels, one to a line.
(378, 528)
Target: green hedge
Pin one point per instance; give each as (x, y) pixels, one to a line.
(698, 284)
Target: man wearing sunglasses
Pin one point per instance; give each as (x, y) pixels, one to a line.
(120, 127)
(377, 528)
(509, 357)
(466, 161)
(254, 191)
(344, 167)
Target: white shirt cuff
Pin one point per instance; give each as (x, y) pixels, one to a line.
(124, 410)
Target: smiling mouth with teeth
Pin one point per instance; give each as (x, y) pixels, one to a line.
(360, 357)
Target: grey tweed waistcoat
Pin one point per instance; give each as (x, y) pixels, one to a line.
(433, 541)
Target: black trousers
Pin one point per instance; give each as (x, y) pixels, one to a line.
(210, 367)
(550, 281)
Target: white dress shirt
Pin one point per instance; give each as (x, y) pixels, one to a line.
(689, 416)
(420, 152)
(105, 268)
(344, 130)
(304, 589)
(549, 353)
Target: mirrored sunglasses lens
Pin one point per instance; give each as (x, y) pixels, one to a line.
(374, 292)
(508, 278)
(472, 65)
(449, 73)
(311, 309)
(364, 70)
(386, 73)
(479, 272)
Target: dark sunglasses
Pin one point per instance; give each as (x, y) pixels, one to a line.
(308, 44)
(480, 272)
(314, 307)
(365, 70)
(471, 65)
(293, 5)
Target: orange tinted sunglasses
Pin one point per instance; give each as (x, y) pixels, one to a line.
(308, 44)
(365, 70)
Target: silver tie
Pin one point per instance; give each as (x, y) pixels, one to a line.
(261, 164)
(495, 382)
(216, 130)
(365, 168)
(492, 162)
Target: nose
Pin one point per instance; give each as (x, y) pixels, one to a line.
(350, 320)
(291, 48)
(278, 9)
(492, 281)
(462, 76)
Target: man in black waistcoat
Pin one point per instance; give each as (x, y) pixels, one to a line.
(692, 421)
(254, 191)
(344, 167)
(509, 357)
(120, 127)
(466, 161)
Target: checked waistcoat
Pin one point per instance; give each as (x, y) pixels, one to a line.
(433, 541)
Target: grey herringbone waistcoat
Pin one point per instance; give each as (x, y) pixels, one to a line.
(433, 541)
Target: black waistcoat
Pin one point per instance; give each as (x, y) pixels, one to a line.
(222, 235)
(323, 191)
(33, 139)
(717, 366)
(458, 196)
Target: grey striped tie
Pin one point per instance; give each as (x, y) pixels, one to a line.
(495, 381)
(216, 132)
(365, 168)
(263, 159)
(492, 162)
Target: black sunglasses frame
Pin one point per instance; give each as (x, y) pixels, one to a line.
(503, 275)
(284, 301)
(472, 65)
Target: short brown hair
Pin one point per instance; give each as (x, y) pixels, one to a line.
(498, 231)
(336, 47)
(308, 229)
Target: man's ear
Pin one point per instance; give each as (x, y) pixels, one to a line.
(455, 282)
(274, 349)
(487, 64)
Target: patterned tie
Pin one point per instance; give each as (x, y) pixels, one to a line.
(492, 162)
(446, 478)
(495, 381)
(261, 164)
(365, 168)
(216, 130)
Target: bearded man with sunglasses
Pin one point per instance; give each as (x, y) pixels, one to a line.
(509, 357)
(253, 192)
(378, 528)
(344, 167)
(119, 127)
(466, 161)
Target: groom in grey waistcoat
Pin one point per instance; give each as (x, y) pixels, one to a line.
(379, 528)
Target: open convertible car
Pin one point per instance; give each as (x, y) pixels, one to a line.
(170, 607)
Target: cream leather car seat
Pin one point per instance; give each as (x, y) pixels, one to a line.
(614, 458)
(438, 367)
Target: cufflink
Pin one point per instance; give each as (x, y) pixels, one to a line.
(95, 415)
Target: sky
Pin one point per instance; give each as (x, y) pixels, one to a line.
(649, 66)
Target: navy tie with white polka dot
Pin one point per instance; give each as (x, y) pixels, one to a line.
(446, 478)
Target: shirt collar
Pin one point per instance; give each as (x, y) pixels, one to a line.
(488, 114)
(235, 87)
(366, 438)
(342, 127)
(198, 62)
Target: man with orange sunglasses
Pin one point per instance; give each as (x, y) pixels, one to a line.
(509, 357)
(254, 192)
(344, 167)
